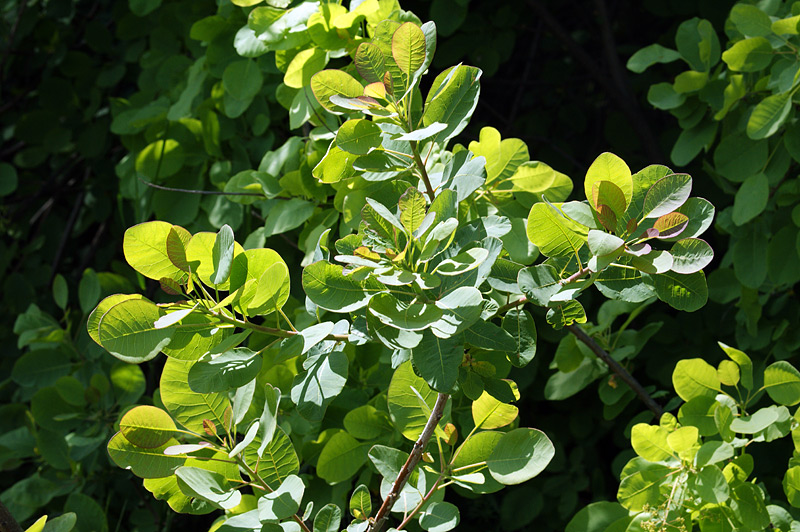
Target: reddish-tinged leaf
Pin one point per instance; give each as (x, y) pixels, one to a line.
(671, 224)
(176, 247)
(169, 286)
(606, 217)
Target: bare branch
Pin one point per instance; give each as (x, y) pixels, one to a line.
(411, 463)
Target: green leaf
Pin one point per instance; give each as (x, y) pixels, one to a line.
(787, 26)
(8, 179)
(470, 460)
(690, 255)
(649, 56)
(186, 406)
(369, 62)
(666, 195)
(791, 483)
(327, 83)
(60, 291)
(609, 167)
(728, 372)
(304, 65)
(328, 518)
(276, 462)
(269, 417)
(503, 157)
(242, 79)
(769, 115)
(323, 379)
(225, 371)
(744, 363)
(400, 315)
(160, 159)
(147, 427)
(713, 452)
(699, 412)
(329, 288)
(451, 100)
(650, 442)
(222, 255)
(520, 324)
(40, 368)
(539, 283)
(748, 506)
(410, 414)
(146, 250)
(439, 517)
(462, 263)
(760, 420)
(461, 308)
(698, 44)
(711, 485)
(144, 462)
(694, 377)
(365, 422)
(748, 55)
(554, 234)
(341, 458)
(663, 96)
(412, 209)
(520, 455)
(200, 258)
(89, 290)
(127, 331)
(596, 517)
(642, 486)
(737, 157)
(335, 166)
(751, 199)
(437, 360)
(283, 502)
(750, 20)
(602, 243)
(208, 486)
(358, 136)
(782, 383)
(360, 503)
(408, 47)
(487, 335)
(489, 413)
(38, 526)
(681, 292)
(563, 314)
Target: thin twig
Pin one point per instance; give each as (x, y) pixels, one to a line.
(411, 463)
(615, 366)
(422, 172)
(203, 192)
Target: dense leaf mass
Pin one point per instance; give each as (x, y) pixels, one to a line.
(291, 265)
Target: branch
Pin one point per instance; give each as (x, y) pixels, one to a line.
(7, 521)
(612, 364)
(422, 172)
(202, 192)
(411, 463)
(615, 366)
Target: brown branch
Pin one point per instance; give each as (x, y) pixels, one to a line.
(619, 94)
(422, 172)
(411, 463)
(615, 366)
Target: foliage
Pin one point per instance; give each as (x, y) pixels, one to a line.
(694, 468)
(311, 129)
(735, 104)
(420, 326)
